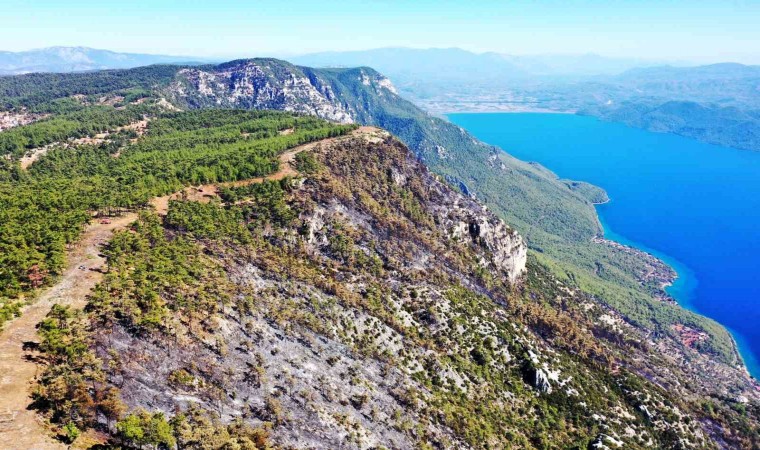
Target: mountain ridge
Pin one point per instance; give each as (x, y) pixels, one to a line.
(351, 304)
(587, 304)
(397, 61)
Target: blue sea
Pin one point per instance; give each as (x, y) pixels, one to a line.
(695, 205)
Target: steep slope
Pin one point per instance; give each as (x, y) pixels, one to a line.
(685, 355)
(364, 304)
(522, 191)
(557, 219)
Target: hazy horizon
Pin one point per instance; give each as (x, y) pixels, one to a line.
(221, 58)
(678, 30)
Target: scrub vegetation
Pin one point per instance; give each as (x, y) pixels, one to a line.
(362, 302)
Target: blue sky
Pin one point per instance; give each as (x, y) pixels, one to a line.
(696, 30)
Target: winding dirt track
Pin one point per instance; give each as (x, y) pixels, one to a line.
(20, 427)
(206, 192)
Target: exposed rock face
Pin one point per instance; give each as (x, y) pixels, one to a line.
(507, 249)
(375, 306)
(541, 382)
(270, 84)
(463, 218)
(331, 378)
(250, 86)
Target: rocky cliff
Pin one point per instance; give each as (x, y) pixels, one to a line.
(362, 304)
(528, 196)
(273, 84)
(340, 370)
(556, 216)
(365, 303)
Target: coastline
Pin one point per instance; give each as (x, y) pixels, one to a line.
(685, 282)
(659, 272)
(507, 111)
(742, 348)
(442, 110)
(681, 290)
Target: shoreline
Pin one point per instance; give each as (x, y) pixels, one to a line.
(486, 110)
(508, 111)
(685, 275)
(469, 110)
(660, 272)
(681, 288)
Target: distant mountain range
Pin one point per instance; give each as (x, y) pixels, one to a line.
(80, 59)
(455, 63)
(398, 63)
(718, 103)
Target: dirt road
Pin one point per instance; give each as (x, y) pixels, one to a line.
(20, 428)
(206, 192)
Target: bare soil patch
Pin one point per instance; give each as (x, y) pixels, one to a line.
(22, 428)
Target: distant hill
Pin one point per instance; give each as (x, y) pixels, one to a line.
(724, 85)
(581, 65)
(80, 59)
(709, 72)
(434, 64)
(727, 126)
(455, 63)
(716, 103)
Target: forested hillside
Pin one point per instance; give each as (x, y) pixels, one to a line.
(557, 219)
(45, 207)
(722, 125)
(296, 313)
(366, 300)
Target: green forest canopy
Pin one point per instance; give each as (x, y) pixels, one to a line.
(46, 207)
